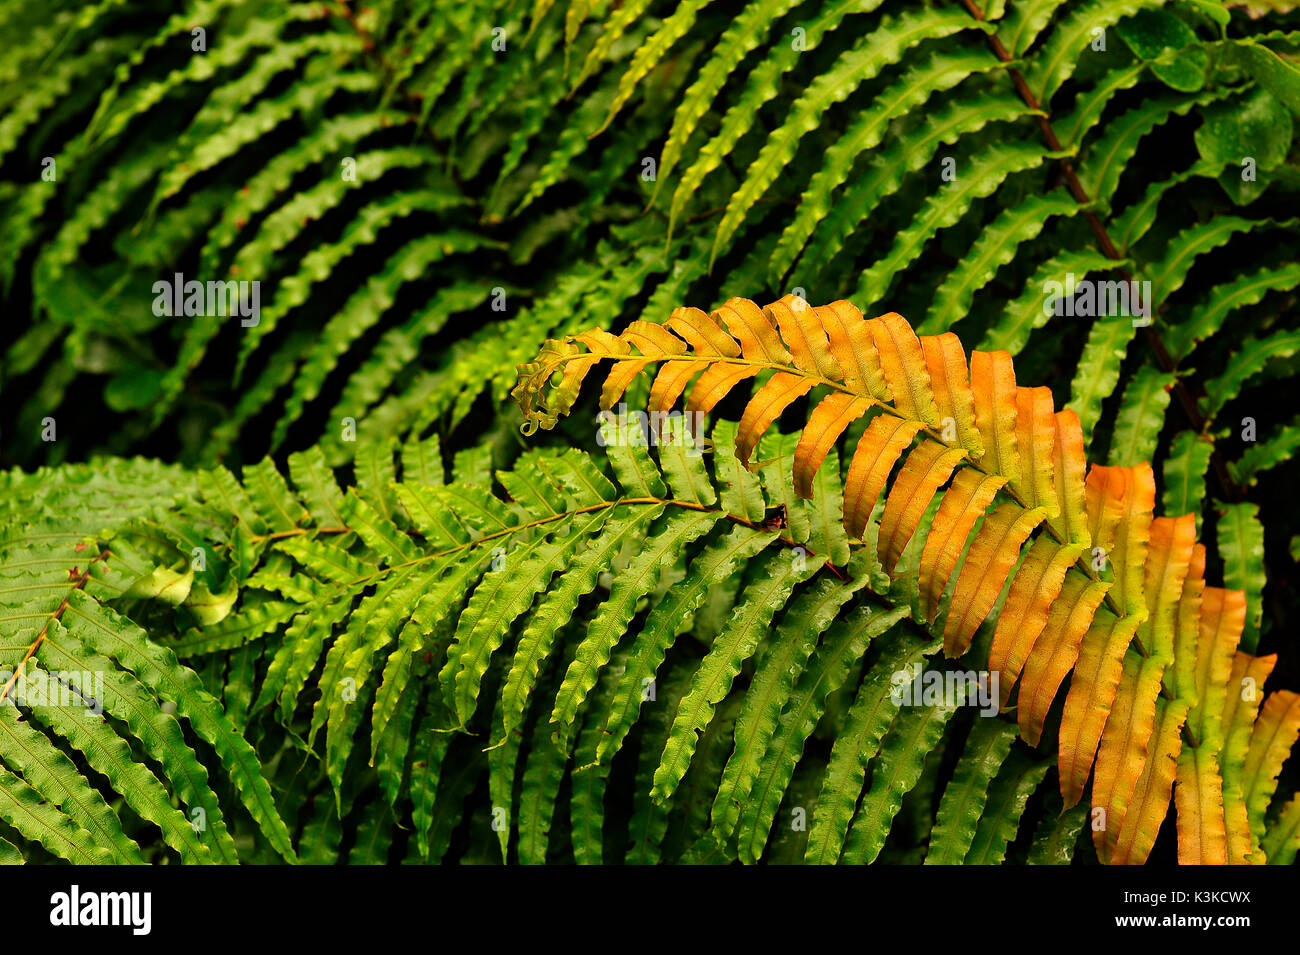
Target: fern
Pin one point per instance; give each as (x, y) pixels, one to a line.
(372, 76)
(565, 514)
(1098, 540)
(61, 633)
(353, 538)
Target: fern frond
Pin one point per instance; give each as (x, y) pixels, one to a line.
(1127, 652)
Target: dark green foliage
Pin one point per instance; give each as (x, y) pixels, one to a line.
(427, 191)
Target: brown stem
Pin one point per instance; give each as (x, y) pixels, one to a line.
(1186, 399)
(40, 637)
(371, 47)
(587, 509)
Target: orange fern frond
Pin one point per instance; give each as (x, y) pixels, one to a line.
(1097, 588)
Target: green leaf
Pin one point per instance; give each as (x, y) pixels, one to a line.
(762, 86)
(361, 311)
(1106, 159)
(1251, 358)
(857, 743)
(1024, 22)
(10, 854)
(24, 809)
(682, 461)
(996, 246)
(743, 35)
(776, 577)
(741, 490)
(1258, 130)
(887, 169)
(1168, 276)
(159, 732)
(1160, 36)
(1240, 539)
(714, 565)
(1128, 228)
(830, 666)
(108, 632)
(1141, 417)
(1275, 73)
(91, 735)
(1185, 469)
(505, 593)
(316, 484)
(1099, 369)
(588, 779)
(966, 795)
(1008, 795)
(271, 497)
(1277, 449)
(56, 778)
(1071, 43)
(976, 178)
(1092, 103)
(649, 53)
(610, 622)
(914, 733)
(1208, 315)
(775, 673)
(543, 770)
(1032, 309)
(1058, 833)
(942, 71)
(1282, 837)
(556, 608)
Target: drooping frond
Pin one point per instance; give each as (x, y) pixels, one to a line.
(1114, 593)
